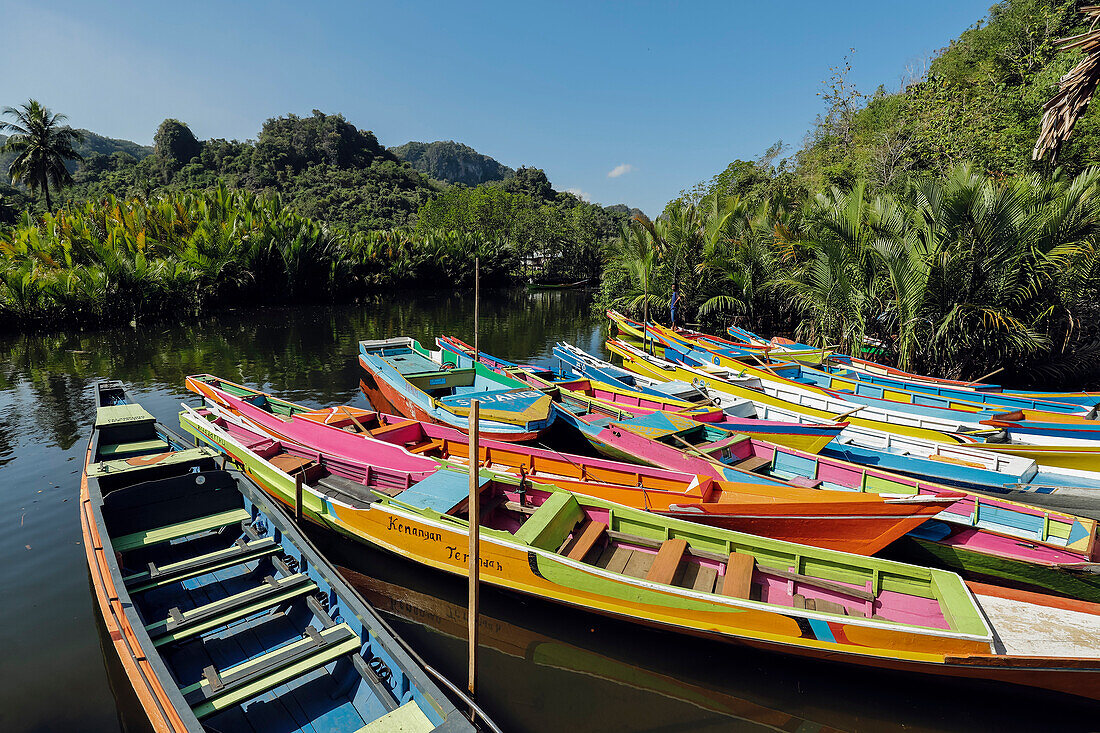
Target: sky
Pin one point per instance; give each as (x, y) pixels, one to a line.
(619, 102)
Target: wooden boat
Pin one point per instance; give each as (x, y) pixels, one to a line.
(1020, 427)
(839, 377)
(859, 523)
(1071, 487)
(572, 361)
(706, 581)
(615, 396)
(798, 400)
(977, 534)
(438, 386)
(789, 350)
(970, 409)
(223, 616)
(1001, 401)
(586, 396)
(1028, 427)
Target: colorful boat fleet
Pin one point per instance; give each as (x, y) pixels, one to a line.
(570, 548)
(751, 491)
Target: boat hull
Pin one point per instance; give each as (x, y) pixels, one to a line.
(385, 397)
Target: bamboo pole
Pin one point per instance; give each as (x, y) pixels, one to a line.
(298, 497)
(477, 298)
(474, 560)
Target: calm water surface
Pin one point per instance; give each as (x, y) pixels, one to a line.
(542, 667)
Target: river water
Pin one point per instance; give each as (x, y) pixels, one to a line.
(541, 667)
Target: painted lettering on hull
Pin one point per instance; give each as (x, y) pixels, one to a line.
(419, 532)
(491, 398)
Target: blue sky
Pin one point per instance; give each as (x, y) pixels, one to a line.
(625, 102)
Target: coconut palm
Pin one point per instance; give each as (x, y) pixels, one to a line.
(42, 145)
(632, 265)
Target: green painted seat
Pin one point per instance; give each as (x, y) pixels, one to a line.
(408, 718)
(237, 553)
(117, 450)
(219, 690)
(229, 609)
(551, 523)
(149, 537)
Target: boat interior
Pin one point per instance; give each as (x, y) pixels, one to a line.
(253, 637)
(251, 632)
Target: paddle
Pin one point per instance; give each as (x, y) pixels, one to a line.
(701, 454)
(843, 415)
(357, 423)
(765, 365)
(984, 377)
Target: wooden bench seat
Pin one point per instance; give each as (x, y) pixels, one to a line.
(117, 450)
(292, 465)
(583, 540)
(237, 553)
(667, 561)
(425, 446)
(149, 537)
(753, 463)
(737, 582)
(394, 427)
(219, 690)
(180, 625)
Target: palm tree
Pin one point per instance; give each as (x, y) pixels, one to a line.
(42, 145)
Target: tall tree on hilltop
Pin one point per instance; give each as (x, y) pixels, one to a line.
(42, 145)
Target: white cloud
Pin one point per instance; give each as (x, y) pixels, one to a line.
(620, 170)
(582, 195)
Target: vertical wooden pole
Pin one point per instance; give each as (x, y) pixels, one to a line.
(645, 314)
(298, 497)
(477, 299)
(475, 523)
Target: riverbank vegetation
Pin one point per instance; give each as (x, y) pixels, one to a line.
(913, 220)
(314, 209)
(178, 254)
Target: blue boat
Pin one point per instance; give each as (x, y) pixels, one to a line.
(438, 386)
(223, 615)
(962, 466)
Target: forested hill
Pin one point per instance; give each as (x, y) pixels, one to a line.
(451, 162)
(322, 165)
(93, 145)
(979, 100)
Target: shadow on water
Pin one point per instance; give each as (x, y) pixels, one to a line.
(543, 667)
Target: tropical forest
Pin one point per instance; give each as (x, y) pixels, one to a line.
(914, 221)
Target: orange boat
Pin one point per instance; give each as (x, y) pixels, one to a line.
(856, 522)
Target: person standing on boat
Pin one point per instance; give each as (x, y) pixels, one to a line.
(672, 306)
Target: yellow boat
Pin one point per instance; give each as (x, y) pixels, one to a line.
(913, 426)
(1077, 457)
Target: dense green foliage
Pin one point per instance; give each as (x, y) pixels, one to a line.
(955, 275)
(979, 101)
(324, 168)
(452, 162)
(915, 219)
(557, 235)
(180, 253)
